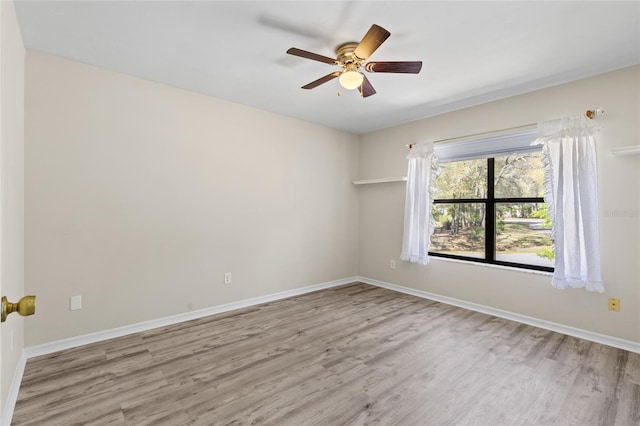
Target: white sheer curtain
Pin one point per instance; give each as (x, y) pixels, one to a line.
(418, 223)
(571, 192)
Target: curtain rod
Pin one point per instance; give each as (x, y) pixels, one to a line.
(590, 114)
(593, 113)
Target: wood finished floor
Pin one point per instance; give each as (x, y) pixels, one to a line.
(351, 355)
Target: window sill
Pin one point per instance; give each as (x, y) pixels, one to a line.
(490, 265)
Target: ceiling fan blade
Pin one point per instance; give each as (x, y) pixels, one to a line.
(322, 80)
(399, 67)
(366, 89)
(291, 26)
(371, 41)
(311, 55)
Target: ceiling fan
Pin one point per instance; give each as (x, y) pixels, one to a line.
(351, 57)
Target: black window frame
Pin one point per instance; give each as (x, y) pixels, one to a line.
(490, 225)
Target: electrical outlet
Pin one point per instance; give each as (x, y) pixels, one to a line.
(227, 277)
(392, 264)
(75, 303)
(614, 304)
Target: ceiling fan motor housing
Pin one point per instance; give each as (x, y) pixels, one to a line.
(345, 55)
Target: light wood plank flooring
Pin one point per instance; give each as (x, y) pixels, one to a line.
(351, 355)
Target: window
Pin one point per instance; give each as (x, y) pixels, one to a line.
(491, 209)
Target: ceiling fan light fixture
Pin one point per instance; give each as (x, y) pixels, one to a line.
(351, 80)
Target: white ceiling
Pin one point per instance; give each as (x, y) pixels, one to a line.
(472, 52)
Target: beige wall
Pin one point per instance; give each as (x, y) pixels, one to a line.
(382, 154)
(12, 56)
(140, 196)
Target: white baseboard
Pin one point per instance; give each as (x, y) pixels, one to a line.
(627, 345)
(72, 342)
(12, 397)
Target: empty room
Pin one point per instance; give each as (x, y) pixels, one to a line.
(319, 213)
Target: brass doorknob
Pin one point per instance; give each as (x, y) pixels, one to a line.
(26, 306)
